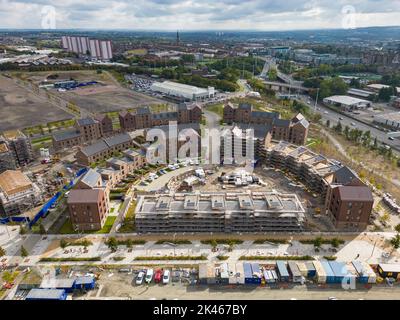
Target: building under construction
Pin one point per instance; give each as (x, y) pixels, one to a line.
(219, 212)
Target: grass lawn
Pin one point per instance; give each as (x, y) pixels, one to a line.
(217, 108)
(67, 227)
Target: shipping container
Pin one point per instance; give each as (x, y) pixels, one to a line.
(294, 272)
(282, 271)
(248, 273)
(320, 272)
(85, 283)
(274, 275)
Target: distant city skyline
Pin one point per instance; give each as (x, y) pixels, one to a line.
(170, 15)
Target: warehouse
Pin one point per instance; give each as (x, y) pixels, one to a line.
(184, 91)
(46, 294)
(347, 103)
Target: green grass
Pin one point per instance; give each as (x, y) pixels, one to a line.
(41, 140)
(217, 108)
(67, 227)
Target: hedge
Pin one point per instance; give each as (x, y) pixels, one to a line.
(171, 258)
(301, 258)
(72, 259)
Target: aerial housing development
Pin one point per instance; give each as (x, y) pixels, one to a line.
(209, 165)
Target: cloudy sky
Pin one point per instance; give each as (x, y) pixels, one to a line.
(199, 14)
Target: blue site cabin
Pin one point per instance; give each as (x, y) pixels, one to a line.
(248, 273)
(340, 271)
(46, 294)
(65, 284)
(282, 271)
(85, 283)
(255, 268)
(311, 272)
(330, 276)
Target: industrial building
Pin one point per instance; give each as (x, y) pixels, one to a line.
(346, 199)
(46, 294)
(179, 90)
(18, 193)
(219, 212)
(7, 160)
(391, 120)
(347, 103)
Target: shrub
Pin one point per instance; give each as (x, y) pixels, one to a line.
(162, 258)
(301, 258)
(277, 241)
(118, 258)
(222, 241)
(24, 252)
(330, 258)
(71, 259)
(222, 258)
(177, 242)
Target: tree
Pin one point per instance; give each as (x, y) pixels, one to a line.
(397, 228)
(338, 127)
(335, 242)
(395, 242)
(328, 123)
(129, 243)
(214, 244)
(2, 252)
(24, 252)
(112, 244)
(317, 242)
(42, 229)
(386, 93)
(63, 243)
(272, 74)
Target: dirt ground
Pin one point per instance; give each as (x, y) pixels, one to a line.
(107, 96)
(20, 108)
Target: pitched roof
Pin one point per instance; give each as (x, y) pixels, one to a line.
(66, 135)
(94, 148)
(91, 178)
(281, 123)
(345, 175)
(265, 115)
(86, 121)
(117, 139)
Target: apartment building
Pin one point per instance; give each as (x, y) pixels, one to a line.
(85, 130)
(20, 146)
(88, 202)
(18, 193)
(143, 118)
(294, 130)
(106, 125)
(219, 212)
(347, 200)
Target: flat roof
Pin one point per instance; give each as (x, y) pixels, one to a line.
(392, 116)
(169, 85)
(346, 100)
(389, 267)
(41, 294)
(84, 196)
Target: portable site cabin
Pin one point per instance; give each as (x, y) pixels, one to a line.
(319, 272)
(311, 273)
(330, 276)
(239, 273)
(274, 275)
(248, 274)
(365, 272)
(46, 294)
(282, 271)
(294, 272)
(207, 274)
(341, 273)
(387, 270)
(224, 274)
(54, 283)
(236, 273)
(269, 276)
(302, 268)
(85, 283)
(352, 271)
(256, 270)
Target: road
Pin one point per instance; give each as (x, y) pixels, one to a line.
(334, 118)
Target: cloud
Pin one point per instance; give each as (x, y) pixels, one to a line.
(199, 15)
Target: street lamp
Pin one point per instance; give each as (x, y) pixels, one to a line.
(316, 100)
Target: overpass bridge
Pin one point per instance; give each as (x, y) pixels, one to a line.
(285, 87)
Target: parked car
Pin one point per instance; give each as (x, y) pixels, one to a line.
(391, 138)
(353, 124)
(149, 276)
(340, 118)
(158, 276)
(166, 277)
(140, 277)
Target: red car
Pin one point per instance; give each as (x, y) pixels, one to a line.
(158, 276)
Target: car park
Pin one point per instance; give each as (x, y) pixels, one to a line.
(149, 276)
(140, 277)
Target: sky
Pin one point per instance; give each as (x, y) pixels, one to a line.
(183, 15)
